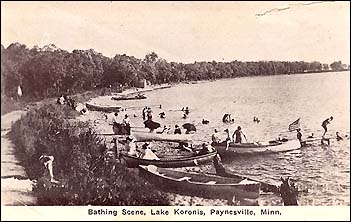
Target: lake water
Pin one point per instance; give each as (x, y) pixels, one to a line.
(277, 101)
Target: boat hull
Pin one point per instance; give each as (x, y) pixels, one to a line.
(145, 136)
(252, 148)
(133, 161)
(201, 185)
(94, 107)
(128, 98)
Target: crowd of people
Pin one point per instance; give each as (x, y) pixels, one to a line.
(66, 100)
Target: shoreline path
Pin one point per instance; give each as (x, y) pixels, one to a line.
(16, 188)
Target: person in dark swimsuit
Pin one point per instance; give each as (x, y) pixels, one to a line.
(299, 135)
(237, 135)
(177, 130)
(324, 125)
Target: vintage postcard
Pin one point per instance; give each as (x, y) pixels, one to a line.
(172, 110)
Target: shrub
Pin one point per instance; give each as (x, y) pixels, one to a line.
(85, 173)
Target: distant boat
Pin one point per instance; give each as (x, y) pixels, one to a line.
(102, 108)
(199, 184)
(170, 162)
(129, 97)
(257, 147)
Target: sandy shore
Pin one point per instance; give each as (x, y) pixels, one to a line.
(16, 189)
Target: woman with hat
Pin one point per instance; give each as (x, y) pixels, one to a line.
(147, 153)
(130, 146)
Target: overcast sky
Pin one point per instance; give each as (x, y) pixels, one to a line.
(186, 31)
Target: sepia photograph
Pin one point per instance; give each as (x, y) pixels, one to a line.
(148, 110)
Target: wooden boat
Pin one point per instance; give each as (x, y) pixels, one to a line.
(170, 162)
(129, 97)
(146, 136)
(102, 108)
(257, 147)
(202, 185)
(224, 172)
(287, 191)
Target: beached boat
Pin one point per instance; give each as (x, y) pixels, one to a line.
(102, 108)
(146, 136)
(257, 147)
(170, 161)
(129, 97)
(202, 185)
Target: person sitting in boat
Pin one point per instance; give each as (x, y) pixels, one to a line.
(147, 153)
(130, 146)
(237, 135)
(338, 137)
(311, 136)
(177, 130)
(185, 146)
(162, 115)
(215, 137)
(206, 148)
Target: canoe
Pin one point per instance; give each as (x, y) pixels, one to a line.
(224, 172)
(146, 136)
(201, 185)
(257, 147)
(128, 97)
(102, 108)
(169, 162)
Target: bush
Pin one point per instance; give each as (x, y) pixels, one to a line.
(86, 174)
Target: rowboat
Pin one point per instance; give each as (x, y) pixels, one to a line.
(146, 136)
(201, 185)
(169, 162)
(257, 147)
(102, 108)
(132, 97)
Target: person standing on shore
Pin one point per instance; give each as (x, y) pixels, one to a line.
(325, 124)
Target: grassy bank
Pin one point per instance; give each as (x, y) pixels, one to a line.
(86, 173)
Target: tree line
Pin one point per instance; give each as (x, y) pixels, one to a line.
(50, 71)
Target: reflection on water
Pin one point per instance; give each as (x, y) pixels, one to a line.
(277, 101)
